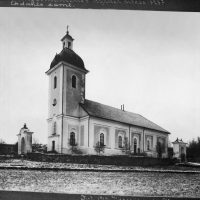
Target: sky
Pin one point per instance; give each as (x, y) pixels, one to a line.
(146, 60)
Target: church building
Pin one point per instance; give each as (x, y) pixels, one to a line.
(74, 119)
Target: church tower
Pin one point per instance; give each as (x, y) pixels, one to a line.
(66, 91)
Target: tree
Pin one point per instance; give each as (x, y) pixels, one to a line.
(35, 144)
(2, 141)
(74, 147)
(183, 157)
(193, 149)
(170, 152)
(160, 149)
(16, 147)
(99, 148)
(126, 146)
(2, 148)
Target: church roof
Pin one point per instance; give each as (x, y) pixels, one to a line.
(69, 56)
(68, 36)
(107, 112)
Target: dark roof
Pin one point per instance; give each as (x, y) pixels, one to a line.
(69, 56)
(107, 112)
(4, 144)
(68, 36)
(179, 141)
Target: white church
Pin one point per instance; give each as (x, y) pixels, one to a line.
(73, 118)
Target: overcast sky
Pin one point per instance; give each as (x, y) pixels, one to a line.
(147, 60)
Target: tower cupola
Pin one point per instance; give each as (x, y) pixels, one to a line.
(67, 40)
(67, 54)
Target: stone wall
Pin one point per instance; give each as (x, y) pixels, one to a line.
(101, 160)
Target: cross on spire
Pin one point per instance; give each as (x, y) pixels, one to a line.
(67, 30)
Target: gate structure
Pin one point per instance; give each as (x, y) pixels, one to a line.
(24, 140)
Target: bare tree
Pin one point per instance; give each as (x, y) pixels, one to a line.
(193, 149)
(35, 144)
(160, 149)
(126, 146)
(74, 147)
(35, 140)
(2, 141)
(99, 148)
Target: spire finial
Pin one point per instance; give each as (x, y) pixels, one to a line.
(25, 125)
(67, 30)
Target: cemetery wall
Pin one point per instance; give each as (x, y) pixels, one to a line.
(100, 160)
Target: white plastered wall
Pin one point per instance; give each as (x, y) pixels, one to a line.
(138, 131)
(112, 127)
(69, 123)
(155, 135)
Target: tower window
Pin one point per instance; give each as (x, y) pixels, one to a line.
(120, 141)
(63, 45)
(72, 138)
(69, 45)
(74, 81)
(54, 128)
(55, 82)
(54, 102)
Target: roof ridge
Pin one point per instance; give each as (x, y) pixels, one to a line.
(120, 115)
(154, 123)
(111, 107)
(148, 120)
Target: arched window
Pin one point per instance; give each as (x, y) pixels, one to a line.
(72, 138)
(135, 145)
(101, 139)
(120, 141)
(69, 45)
(54, 128)
(148, 145)
(160, 141)
(74, 81)
(55, 82)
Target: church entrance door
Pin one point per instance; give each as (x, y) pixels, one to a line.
(23, 147)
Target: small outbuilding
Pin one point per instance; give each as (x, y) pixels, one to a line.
(179, 147)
